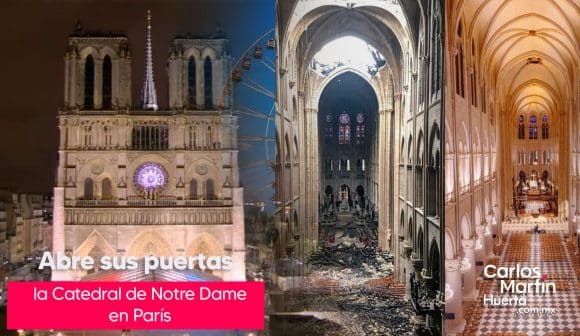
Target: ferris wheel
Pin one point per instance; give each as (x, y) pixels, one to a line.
(253, 82)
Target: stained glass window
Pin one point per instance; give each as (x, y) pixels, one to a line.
(521, 127)
(328, 128)
(360, 127)
(533, 127)
(150, 176)
(344, 129)
(545, 127)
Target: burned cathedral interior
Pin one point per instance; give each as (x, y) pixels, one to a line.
(358, 164)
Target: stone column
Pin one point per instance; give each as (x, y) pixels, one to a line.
(63, 128)
(488, 237)
(407, 248)
(128, 134)
(98, 84)
(177, 141)
(480, 252)
(383, 194)
(312, 181)
(73, 91)
(454, 322)
(469, 275)
(497, 223)
(67, 85)
(238, 272)
(58, 230)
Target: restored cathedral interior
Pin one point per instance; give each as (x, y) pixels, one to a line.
(358, 162)
(511, 160)
(139, 180)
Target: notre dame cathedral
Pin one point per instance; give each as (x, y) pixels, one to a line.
(138, 180)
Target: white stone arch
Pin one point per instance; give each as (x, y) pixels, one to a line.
(486, 206)
(202, 170)
(466, 139)
(209, 51)
(305, 13)
(192, 52)
(95, 240)
(89, 50)
(466, 231)
(205, 243)
(449, 139)
(449, 245)
(320, 86)
(478, 219)
(96, 169)
(209, 246)
(107, 51)
(150, 243)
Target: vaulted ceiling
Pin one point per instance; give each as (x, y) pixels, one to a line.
(528, 50)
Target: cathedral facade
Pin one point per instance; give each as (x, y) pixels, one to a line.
(147, 181)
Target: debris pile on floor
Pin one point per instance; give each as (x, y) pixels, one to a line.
(351, 256)
(360, 311)
(338, 291)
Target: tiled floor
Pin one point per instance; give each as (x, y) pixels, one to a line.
(553, 259)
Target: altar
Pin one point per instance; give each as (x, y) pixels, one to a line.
(537, 207)
(527, 224)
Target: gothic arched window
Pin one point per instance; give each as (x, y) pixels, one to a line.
(545, 127)
(419, 171)
(208, 82)
(193, 137)
(191, 81)
(150, 137)
(521, 127)
(88, 188)
(107, 82)
(533, 127)
(459, 68)
(435, 51)
(89, 82)
(106, 189)
(473, 76)
(360, 126)
(108, 136)
(328, 128)
(344, 129)
(193, 189)
(209, 189)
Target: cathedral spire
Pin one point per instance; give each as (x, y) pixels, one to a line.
(148, 95)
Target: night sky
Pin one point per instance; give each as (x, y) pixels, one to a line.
(34, 38)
